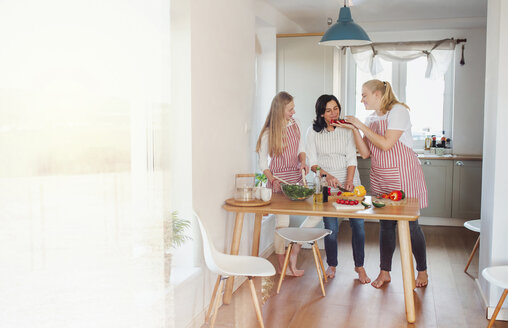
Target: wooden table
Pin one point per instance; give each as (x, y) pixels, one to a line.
(280, 204)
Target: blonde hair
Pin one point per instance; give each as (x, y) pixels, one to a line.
(388, 98)
(275, 125)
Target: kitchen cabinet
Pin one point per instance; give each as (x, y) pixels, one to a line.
(467, 187)
(453, 186)
(439, 180)
(364, 171)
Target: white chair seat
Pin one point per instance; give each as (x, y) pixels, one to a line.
(237, 265)
(303, 235)
(497, 275)
(473, 225)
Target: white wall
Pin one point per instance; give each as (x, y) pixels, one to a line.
(275, 18)
(494, 229)
(218, 84)
(305, 70)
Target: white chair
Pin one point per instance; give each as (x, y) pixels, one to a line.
(226, 265)
(473, 225)
(497, 275)
(300, 236)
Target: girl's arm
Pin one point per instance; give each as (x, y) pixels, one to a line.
(263, 160)
(384, 143)
(360, 142)
(302, 157)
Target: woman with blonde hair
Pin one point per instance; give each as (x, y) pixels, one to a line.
(280, 139)
(394, 166)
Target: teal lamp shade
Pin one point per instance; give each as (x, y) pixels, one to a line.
(345, 32)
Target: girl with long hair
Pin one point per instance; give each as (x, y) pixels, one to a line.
(394, 166)
(280, 140)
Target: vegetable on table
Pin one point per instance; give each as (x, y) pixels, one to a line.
(297, 191)
(367, 205)
(378, 204)
(397, 195)
(360, 191)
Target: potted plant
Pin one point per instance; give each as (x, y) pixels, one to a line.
(177, 236)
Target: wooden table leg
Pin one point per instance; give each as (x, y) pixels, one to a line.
(413, 279)
(405, 257)
(257, 234)
(235, 247)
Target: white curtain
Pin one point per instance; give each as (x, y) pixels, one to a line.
(439, 55)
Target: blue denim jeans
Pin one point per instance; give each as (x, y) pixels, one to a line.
(358, 241)
(387, 241)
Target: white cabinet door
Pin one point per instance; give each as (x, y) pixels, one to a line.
(439, 180)
(467, 188)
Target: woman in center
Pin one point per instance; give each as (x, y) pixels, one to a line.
(334, 151)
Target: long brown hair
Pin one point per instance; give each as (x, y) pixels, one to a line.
(388, 98)
(275, 125)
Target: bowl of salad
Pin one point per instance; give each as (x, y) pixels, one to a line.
(297, 191)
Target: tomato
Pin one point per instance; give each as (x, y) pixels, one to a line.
(385, 196)
(356, 202)
(339, 192)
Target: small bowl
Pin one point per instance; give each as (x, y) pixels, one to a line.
(297, 191)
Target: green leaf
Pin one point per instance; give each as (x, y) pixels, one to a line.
(178, 228)
(259, 179)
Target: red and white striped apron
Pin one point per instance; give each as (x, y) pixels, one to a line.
(286, 165)
(396, 169)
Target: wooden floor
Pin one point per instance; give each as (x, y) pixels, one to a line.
(450, 300)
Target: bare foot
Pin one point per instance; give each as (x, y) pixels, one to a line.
(293, 259)
(422, 279)
(330, 272)
(384, 276)
(362, 275)
(291, 269)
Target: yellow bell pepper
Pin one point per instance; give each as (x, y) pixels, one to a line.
(359, 191)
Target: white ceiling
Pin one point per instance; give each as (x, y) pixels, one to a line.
(312, 15)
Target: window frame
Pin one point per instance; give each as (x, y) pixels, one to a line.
(399, 80)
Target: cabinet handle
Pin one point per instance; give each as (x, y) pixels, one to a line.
(427, 163)
(459, 163)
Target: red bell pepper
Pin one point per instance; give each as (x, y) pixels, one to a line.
(395, 195)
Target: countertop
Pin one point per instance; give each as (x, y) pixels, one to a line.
(456, 157)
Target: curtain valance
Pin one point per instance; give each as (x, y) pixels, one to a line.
(439, 55)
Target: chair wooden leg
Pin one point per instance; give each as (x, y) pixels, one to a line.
(284, 268)
(217, 300)
(318, 269)
(472, 253)
(321, 262)
(212, 301)
(256, 303)
(498, 307)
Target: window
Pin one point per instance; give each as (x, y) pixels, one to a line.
(430, 101)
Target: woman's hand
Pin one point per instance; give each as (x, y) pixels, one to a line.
(305, 167)
(356, 123)
(332, 181)
(276, 185)
(349, 185)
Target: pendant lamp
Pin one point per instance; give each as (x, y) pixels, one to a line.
(345, 32)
